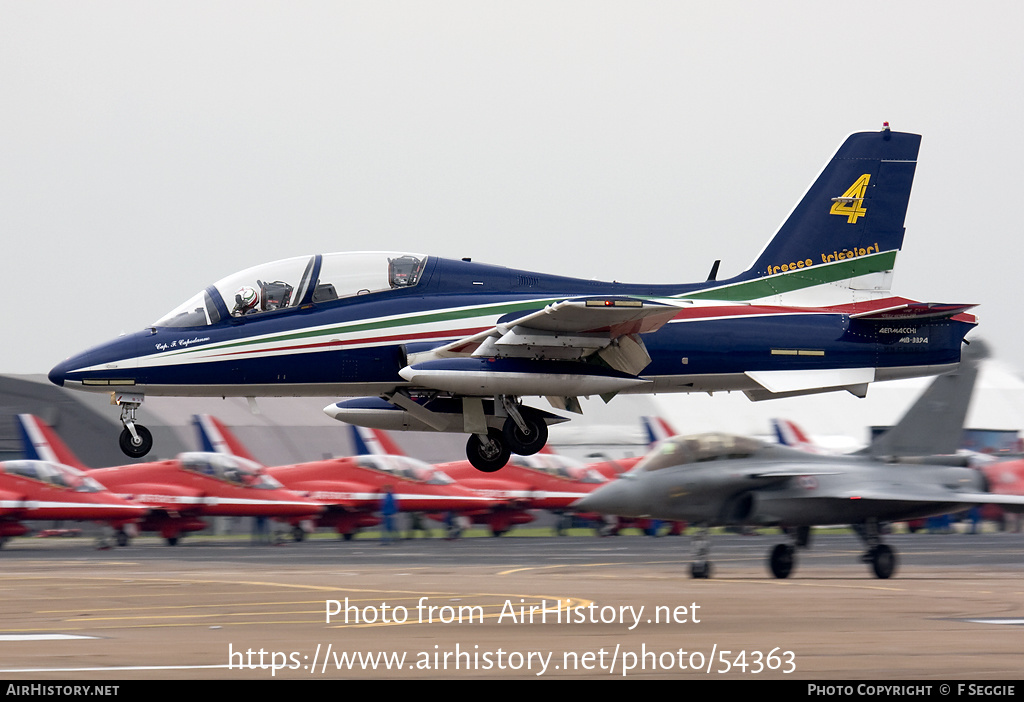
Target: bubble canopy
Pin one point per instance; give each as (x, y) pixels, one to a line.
(293, 282)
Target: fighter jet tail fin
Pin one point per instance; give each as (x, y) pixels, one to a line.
(373, 442)
(934, 424)
(215, 437)
(41, 443)
(656, 429)
(839, 243)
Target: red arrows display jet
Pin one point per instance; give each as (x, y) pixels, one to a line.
(179, 493)
(351, 488)
(35, 489)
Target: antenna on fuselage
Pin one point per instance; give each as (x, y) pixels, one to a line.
(713, 275)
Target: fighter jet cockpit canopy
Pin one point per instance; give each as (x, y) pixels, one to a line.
(698, 448)
(50, 473)
(558, 466)
(405, 467)
(234, 470)
(294, 282)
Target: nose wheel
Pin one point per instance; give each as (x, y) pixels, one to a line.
(137, 444)
(700, 565)
(135, 439)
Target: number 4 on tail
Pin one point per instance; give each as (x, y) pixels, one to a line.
(851, 203)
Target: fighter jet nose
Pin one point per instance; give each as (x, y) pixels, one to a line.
(616, 497)
(58, 374)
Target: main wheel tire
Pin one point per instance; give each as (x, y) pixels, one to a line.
(135, 448)
(298, 533)
(529, 442)
(883, 561)
(489, 456)
(121, 538)
(700, 570)
(782, 560)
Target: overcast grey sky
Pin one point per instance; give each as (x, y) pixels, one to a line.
(149, 149)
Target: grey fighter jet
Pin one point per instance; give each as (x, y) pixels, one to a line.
(720, 479)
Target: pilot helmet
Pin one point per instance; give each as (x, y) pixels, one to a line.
(246, 299)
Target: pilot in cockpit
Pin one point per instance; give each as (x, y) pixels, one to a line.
(247, 301)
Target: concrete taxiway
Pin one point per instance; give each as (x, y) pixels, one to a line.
(621, 607)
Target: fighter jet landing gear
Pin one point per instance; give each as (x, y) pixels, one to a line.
(879, 556)
(782, 559)
(488, 454)
(525, 431)
(700, 566)
(135, 439)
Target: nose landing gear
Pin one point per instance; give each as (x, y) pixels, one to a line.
(135, 440)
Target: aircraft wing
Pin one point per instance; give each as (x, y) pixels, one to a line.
(569, 330)
(1013, 503)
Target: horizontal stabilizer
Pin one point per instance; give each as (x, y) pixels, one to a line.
(787, 383)
(914, 310)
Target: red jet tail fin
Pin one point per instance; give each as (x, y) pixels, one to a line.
(41, 443)
(215, 437)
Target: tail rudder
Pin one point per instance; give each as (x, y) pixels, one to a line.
(215, 437)
(41, 443)
(656, 429)
(373, 442)
(790, 434)
(934, 424)
(839, 243)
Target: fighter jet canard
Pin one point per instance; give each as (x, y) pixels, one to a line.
(720, 479)
(454, 345)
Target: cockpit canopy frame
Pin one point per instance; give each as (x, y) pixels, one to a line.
(296, 282)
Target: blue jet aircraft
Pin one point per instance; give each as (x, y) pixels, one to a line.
(454, 345)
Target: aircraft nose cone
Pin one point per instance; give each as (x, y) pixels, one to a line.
(616, 497)
(58, 373)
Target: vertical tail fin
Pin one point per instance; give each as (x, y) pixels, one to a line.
(373, 442)
(790, 434)
(41, 443)
(934, 424)
(842, 237)
(215, 437)
(656, 429)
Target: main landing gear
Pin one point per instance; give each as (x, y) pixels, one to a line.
(879, 556)
(782, 558)
(135, 439)
(524, 433)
